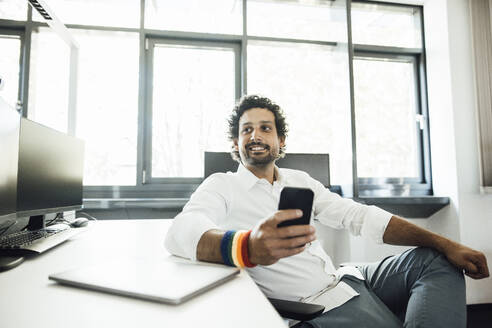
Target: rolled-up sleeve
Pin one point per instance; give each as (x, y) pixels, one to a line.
(206, 207)
(342, 213)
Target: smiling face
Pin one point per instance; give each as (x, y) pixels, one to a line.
(258, 142)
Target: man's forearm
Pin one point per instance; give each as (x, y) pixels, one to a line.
(401, 232)
(208, 248)
(398, 232)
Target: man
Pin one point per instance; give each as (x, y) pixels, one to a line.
(423, 287)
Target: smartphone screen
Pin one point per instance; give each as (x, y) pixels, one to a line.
(296, 198)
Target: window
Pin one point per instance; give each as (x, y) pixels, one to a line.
(192, 92)
(117, 13)
(107, 105)
(13, 10)
(10, 43)
(323, 20)
(211, 16)
(391, 25)
(390, 111)
(300, 78)
(49, 78)
(157, 81)
(386, 117)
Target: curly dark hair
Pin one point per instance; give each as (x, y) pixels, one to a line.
(256, 101)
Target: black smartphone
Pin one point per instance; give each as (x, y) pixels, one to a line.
(296, 198)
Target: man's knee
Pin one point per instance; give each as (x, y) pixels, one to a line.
(434, 260)
(424, 256)
(431, 259)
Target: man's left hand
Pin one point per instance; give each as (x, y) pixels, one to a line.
(471, 261)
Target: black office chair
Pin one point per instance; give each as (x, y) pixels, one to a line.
(317, 165)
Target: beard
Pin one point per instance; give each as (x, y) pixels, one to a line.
(254, 158)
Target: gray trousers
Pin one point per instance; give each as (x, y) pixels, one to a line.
(418, 288)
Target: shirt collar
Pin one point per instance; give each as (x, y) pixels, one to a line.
(248, 179)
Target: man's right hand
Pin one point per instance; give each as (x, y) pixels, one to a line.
(268, 244)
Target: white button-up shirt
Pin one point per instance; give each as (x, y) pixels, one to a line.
(238, 201)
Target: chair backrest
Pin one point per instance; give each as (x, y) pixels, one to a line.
(316, 165)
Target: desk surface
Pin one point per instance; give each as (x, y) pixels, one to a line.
(28, 298)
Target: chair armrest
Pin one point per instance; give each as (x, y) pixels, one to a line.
(296, 310)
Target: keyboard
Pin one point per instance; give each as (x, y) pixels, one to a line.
(36, 241)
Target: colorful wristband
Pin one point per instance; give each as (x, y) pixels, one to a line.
(229, 248)
(224, 245)
(244, 251)
(234, 248)
(239, 249)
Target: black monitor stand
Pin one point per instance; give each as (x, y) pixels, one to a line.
(36, 222)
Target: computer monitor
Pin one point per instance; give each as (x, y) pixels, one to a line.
(9, 147)
(50, 171)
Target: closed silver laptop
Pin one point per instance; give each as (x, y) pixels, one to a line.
(160, 280)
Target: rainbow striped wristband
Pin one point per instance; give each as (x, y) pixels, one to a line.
(234, 248)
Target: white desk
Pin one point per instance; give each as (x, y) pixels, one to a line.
(28, 298)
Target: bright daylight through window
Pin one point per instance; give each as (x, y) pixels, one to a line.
(193, 92)
(157, 80)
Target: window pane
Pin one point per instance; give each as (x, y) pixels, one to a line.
(107, 105)
(384, 25)
(49, 79)
(193, 94)
(13, 9)
(9, 68)
(211, 16)
(311, 84)
(121, 13)
(385, 118)
(312, 20)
